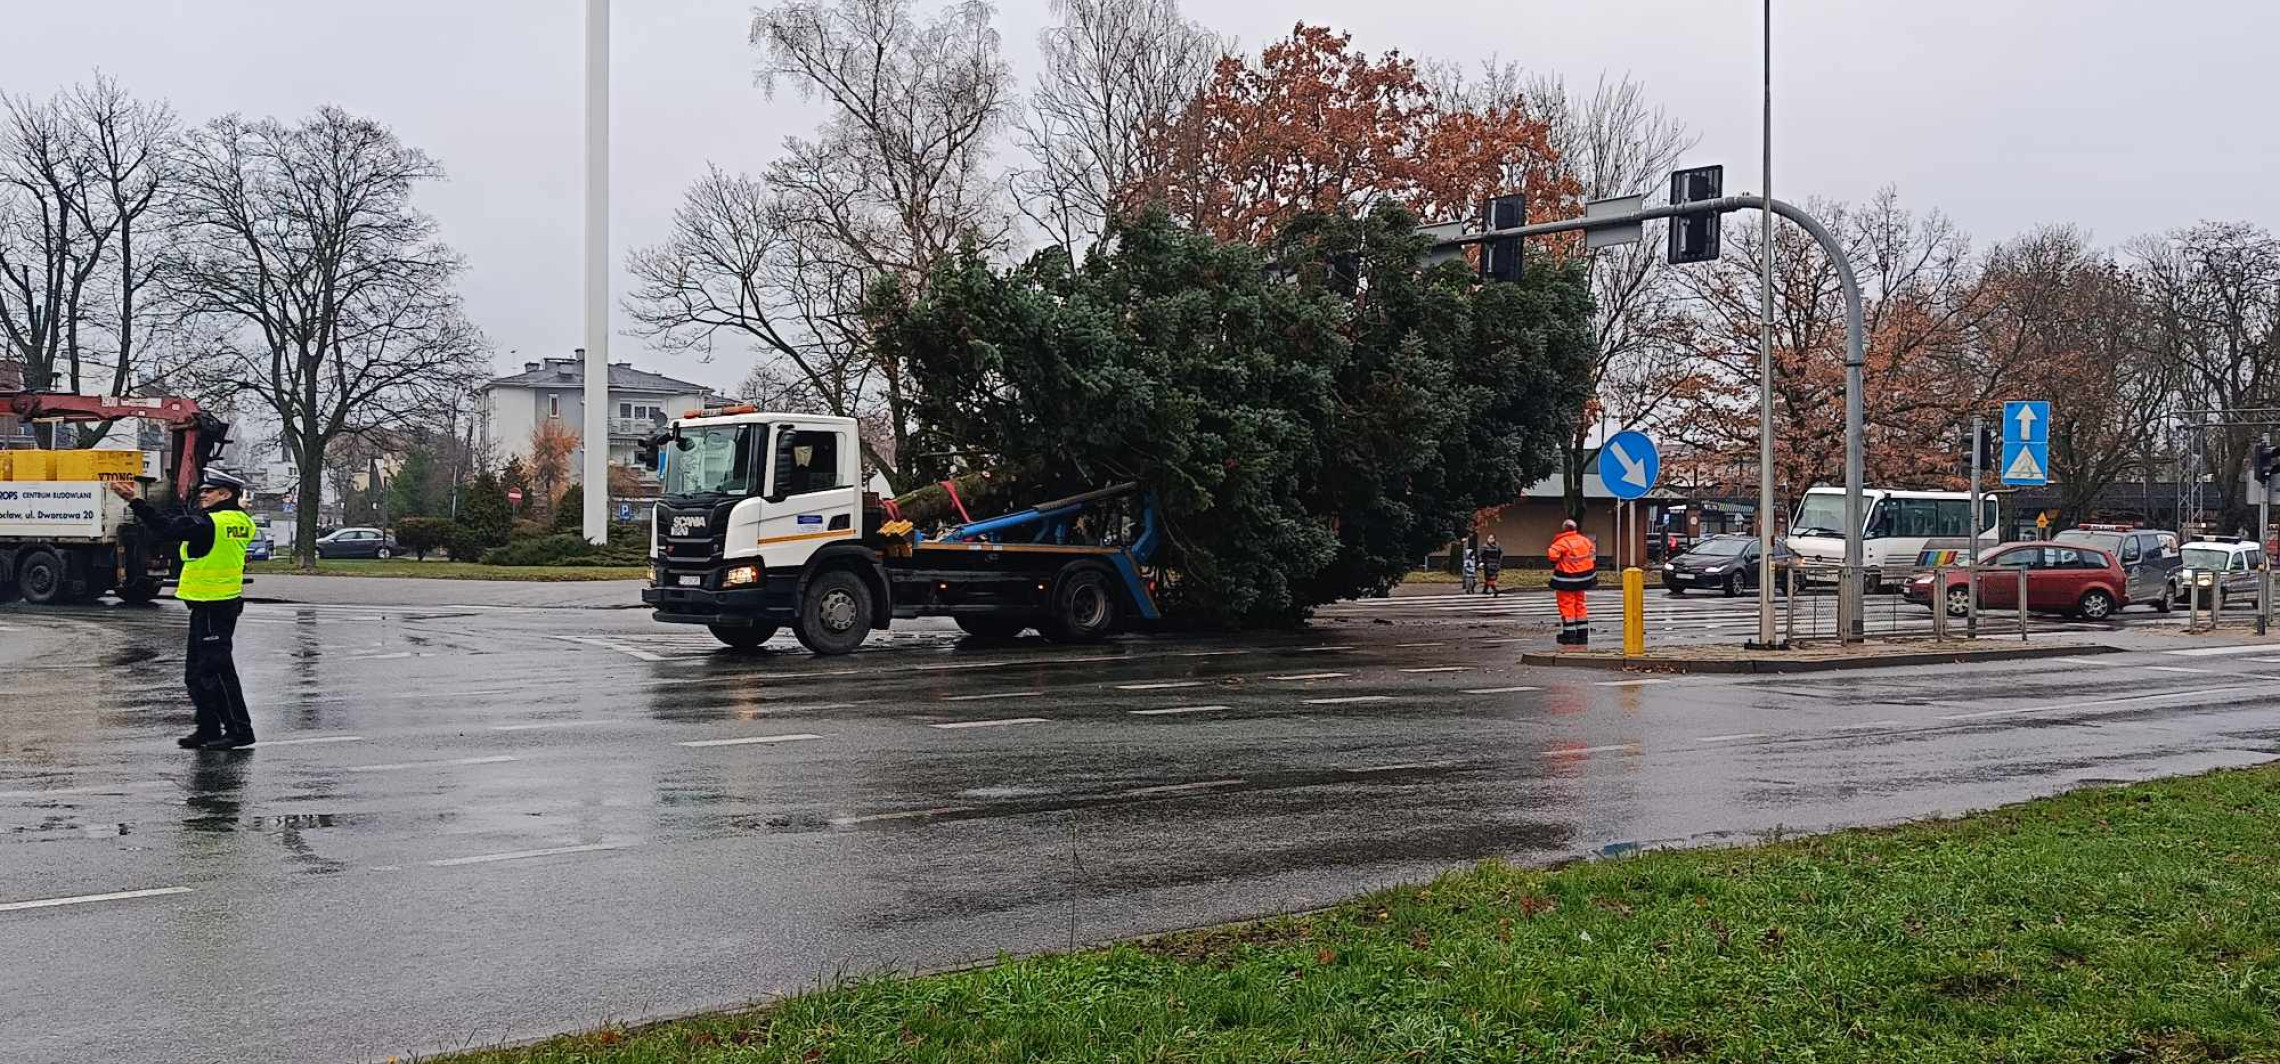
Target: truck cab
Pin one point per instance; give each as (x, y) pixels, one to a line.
(764, 524)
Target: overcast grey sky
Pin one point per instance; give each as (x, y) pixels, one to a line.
(2124, 116)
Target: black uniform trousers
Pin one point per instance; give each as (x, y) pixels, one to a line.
(211, 673)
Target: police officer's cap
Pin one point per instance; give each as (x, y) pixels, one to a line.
(223, 479)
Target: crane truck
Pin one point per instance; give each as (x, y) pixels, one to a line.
(764, 523)
(63, 536)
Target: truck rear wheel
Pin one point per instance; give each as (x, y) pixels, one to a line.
(1085, 608)
(743, 636)
(985, 626)
(40, 577)
(835, 613)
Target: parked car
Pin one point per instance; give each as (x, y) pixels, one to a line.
(2061, 578)
(357, 543)
(2227, 568)
(1726, 563)
(2150, 557)
(261, 549)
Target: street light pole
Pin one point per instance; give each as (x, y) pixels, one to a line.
(1765, 370)
(594, 468)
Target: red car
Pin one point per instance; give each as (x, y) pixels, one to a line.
(2061, 578)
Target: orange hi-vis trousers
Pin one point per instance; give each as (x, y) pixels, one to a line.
(1575, 616)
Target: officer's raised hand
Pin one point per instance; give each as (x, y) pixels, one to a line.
(123, 489)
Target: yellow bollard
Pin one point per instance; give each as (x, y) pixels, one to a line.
(1634, 612)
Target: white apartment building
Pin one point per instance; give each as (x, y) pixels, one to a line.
(640, 402)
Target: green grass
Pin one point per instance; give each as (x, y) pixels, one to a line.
(2134, 924)
(441, 570)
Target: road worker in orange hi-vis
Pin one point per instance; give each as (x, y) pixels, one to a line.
(1575, 570)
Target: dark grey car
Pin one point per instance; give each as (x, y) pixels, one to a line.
(2150, 559)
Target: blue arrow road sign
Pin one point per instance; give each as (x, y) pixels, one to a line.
(2026, 443)
(1628, 464)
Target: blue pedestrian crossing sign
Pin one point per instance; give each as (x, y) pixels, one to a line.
(1628, 464)
(2026, 443)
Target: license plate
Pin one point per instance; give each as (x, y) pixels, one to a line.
(690, 581)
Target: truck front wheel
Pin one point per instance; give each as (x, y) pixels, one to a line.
(743, 637)
(40, 577)
(1085, 608)
(835, 613)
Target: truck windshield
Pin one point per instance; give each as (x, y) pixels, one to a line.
(714, 460)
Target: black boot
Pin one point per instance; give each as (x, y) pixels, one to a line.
(228, 742)
(1583, 637)
(195, 740)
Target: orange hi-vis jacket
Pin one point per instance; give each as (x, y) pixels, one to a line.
(1575, 562)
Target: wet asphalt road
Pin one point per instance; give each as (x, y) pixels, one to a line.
(467, 825)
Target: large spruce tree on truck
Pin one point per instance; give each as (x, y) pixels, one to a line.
(1314, 416)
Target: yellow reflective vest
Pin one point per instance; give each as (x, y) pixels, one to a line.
(219, 574)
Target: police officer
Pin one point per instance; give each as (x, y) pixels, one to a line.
(214, 538)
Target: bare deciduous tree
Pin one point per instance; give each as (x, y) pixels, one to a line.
(1112, 74)
(80, 177)
(2214, 294)
(304, 240)
(894, 180)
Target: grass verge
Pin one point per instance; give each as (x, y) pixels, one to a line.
(1509, 579)
(439, 570)
(2113, 924)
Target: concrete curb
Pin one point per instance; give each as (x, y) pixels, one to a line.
(1775, 665)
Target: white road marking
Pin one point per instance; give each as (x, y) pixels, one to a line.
(1404, 766)
(2171, 694)
(1570, 751)
(1209, 653)
(1415, 646)
(1983, 714)
(2086, 661)
(1628, 683)
(1346, 701)
(1311, 650)
(1441, 668)
(312, 740)
(492, 760)
(993, 694)
(1169, 710)
(795, 737)
(908, 814)
(1176, 788)
(1867, 725)
(1165, 685)
(1499, 690)
(637, 655)
(85, 899)
(380, 657)
(2211, 652)
(1012, 663)
(1729, 738)
(2169, 668)
(1312, 676)
(517, 855)
(537, 724)
(1000, 723)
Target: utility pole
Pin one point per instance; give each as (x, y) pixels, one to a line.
(1971, 559)
(595, 469)
(1765, 369)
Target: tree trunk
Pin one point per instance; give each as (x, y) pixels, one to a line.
(1571, 482)
(311, 494)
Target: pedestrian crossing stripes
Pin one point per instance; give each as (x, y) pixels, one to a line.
(1710, 614)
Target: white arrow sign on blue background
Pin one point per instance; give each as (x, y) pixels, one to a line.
(1628, 464)
(2026, 443)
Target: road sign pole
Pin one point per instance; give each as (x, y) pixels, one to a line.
(1765, 368)
(2264, 560)
(1971, 557)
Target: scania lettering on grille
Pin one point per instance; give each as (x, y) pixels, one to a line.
(682, 526)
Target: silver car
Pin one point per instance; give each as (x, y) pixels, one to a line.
(2150, 558)
(2229, 568)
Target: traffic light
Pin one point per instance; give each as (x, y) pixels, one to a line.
(1694, 238)
(2265, 461)
(1500, 258)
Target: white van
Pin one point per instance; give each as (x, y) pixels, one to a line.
(1899, 527)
